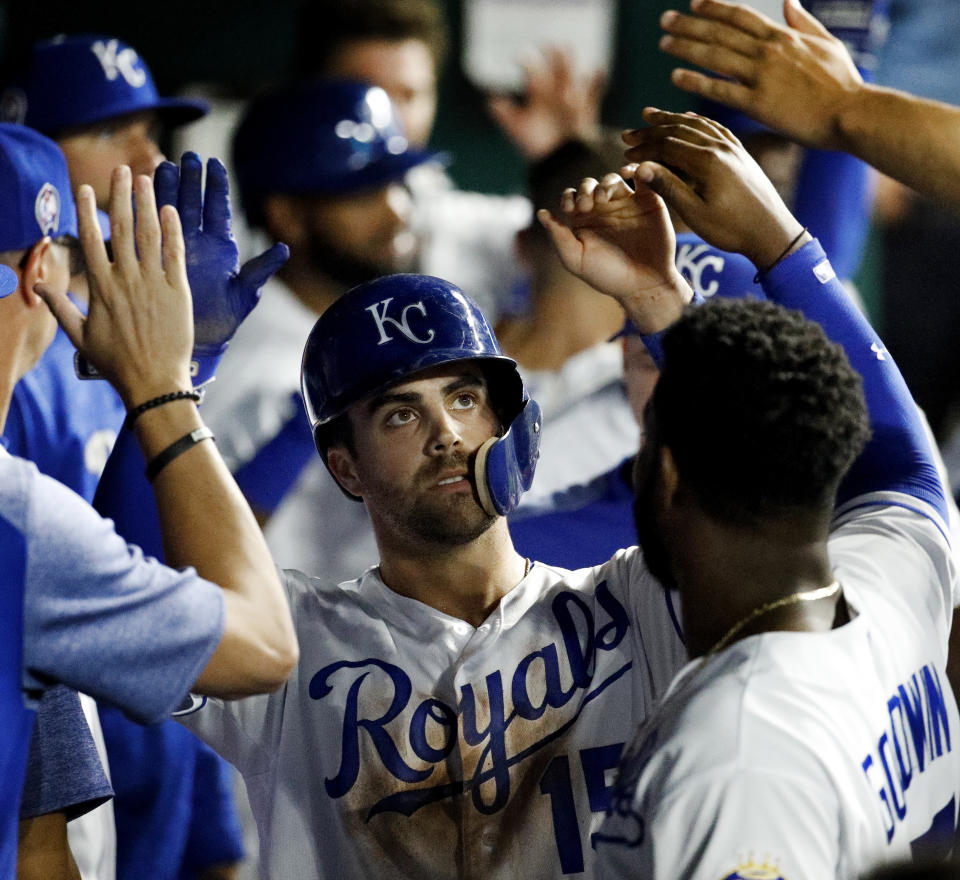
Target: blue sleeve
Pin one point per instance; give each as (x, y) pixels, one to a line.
(897, 457)
(64, 773)
(125, 496)
(833, 199)
(271, 473)
(216, 835)
(833, 196)
(103, 619)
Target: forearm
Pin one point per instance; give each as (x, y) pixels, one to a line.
(205, 522)
(911, 139)
(898, 456)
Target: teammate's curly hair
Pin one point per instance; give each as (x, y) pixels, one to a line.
(763, 413)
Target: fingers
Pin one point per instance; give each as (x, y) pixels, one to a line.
(257, 271)
(662, 181)
(147, 226)
(166, 181)
(216, 200)
(567, 245)
(723, 91)
(799, 19)
(174, 252)
(121, 217)
(736, 16)
(91, 238)
(189, 195)
(67, 314)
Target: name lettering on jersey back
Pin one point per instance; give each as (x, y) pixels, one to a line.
(918, 734)
(548, 678)
(381, 318)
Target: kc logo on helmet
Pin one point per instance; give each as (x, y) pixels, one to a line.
(123, 63)
(380, 316)
(46, 209)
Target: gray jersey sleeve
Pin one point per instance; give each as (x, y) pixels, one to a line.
(98, 615)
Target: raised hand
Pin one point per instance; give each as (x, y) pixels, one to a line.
(223, 292)
(138, 331)
(621, 242)
(704, 173)
(795, 78)
(559, 104)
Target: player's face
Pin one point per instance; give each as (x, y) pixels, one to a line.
(93, 151)
(414, 450)
(405, 70)
(360, 236)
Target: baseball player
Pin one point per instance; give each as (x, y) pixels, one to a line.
(811, 734)
(95, 96)
(82, 607)
(456, 701)
(342, 207)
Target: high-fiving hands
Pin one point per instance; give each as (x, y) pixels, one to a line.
(223, 292)
(621, 242)
(138, 332)
(710, 180)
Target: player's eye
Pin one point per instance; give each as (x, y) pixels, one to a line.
(400, 417)
(464, 400)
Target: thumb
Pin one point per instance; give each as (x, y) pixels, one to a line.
(258, 270)
(568, 247)
(67, 314)
(799, 19)
(677, 194)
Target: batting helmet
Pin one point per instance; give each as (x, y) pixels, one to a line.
(322, 137)
(384, 331)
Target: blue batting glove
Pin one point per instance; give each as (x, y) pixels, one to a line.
(223, 292)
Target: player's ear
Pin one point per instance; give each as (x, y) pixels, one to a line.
(284, 218)
(341, 465)
(669, 476)
(37, 265)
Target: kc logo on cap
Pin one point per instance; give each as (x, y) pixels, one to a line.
(125, 63)
(46, 209)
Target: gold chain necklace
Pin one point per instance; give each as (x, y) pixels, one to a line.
(795, 599)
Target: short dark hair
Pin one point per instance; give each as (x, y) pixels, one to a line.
(762, 412)
(326, 27)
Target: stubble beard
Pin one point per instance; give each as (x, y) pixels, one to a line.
(445, 520)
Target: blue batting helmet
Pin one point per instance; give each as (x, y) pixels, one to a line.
(381, 332)
(323, 137)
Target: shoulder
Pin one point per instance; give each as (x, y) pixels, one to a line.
(893, 549)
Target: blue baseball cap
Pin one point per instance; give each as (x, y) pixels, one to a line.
(37, 199)
(322, 137)
(8, 281)
(82, 79)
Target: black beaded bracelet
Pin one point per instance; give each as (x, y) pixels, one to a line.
(789, 247)
(178, 447)
(139, 410)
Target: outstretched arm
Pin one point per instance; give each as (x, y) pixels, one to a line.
(139, 334)
(724, 197)
(800, 80)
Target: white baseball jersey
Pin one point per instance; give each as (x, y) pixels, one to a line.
(808, 755)
(256, 392)
(410, 744)
(588, 425)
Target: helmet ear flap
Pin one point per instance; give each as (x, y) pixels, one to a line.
(504, 466)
